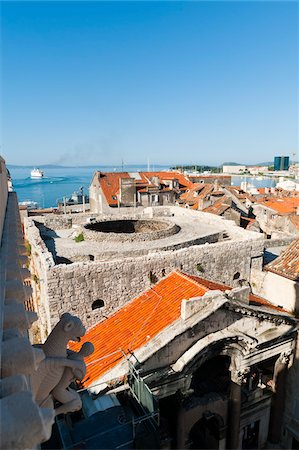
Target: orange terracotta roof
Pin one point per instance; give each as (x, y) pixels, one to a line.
(249, 219)
(188, 193)
(285, 205)
(206, 190)
(218, 193)
(140, 320)
(219, 207)
(135, 323)
(262, 190)
(287, 263)
(110, 184)
(182, 179)
(234, 188)
(195, 193)
(259, 301)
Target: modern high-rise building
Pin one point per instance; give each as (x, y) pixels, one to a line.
(281, 162)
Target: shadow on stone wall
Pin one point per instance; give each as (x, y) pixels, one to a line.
(48, 236)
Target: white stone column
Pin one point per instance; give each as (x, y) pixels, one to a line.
(234, 404)
(278, 398)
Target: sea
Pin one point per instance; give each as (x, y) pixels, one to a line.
(59, 182)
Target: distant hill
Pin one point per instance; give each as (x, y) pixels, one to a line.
(40, 166)
(94, 166)
(268, 163)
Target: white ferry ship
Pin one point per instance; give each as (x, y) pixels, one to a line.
(36, 173)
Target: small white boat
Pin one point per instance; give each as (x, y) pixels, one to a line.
(36, 173)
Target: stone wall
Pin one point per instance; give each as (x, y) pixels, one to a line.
(279, 242)
(62, 222)
(58, 222)
(272, 223)
(41, 263)
(75, 287)
(127, 191)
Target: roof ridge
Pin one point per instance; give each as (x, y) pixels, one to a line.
(187, 277)
(289, 248)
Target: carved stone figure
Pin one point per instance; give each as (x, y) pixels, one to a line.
(51, 369)
(70, 398)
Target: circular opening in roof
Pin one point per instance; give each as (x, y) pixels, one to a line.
(128, 226)
(129, 230)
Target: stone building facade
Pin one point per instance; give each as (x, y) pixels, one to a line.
(278, 217)
(279, 281)
(115, 277)
(220, 363)
(115, 189)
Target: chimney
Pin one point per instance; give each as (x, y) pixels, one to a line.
(240, 293)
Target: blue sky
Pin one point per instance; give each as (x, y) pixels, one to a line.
(175, 82)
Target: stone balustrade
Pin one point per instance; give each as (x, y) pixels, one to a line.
(18, 358)
(27, 372)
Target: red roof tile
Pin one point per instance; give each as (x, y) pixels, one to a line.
(140, 320)
(184, 182)
(193, 191)
(110, 182)
(110, 185)
(219, 207)
(295, 221)
(287, 263)
(262, 190)
(196, 192)
(285, 205)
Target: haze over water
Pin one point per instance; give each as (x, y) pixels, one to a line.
(60, 182)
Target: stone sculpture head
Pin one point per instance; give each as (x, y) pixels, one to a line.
(72, 327)
(86, 349)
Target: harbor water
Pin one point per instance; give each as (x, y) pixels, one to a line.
(62, 182)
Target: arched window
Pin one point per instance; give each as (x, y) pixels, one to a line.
(97, 304)
(153, 277)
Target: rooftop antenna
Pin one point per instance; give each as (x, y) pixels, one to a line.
(148, 165)
(122, 165)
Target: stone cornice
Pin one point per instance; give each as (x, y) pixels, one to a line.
(260, 312)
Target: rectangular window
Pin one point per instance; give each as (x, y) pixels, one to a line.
(250, 438)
